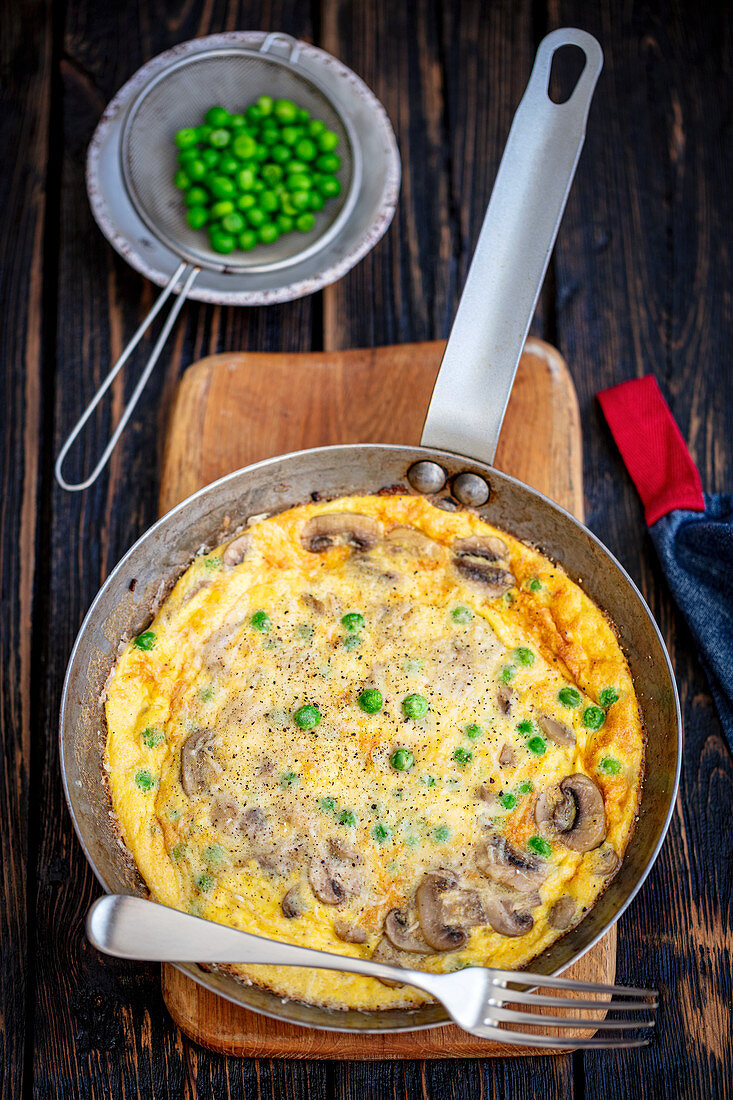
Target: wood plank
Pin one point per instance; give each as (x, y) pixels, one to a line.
(100, 1026)
(235, 409)
(25, 90)
(643, 271)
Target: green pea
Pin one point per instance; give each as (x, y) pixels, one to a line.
(299, 181)
(329, 187)
(244, 146)
(371, 700)
(237, 122)
(186, 137)
(540, 846)
(217, 116)
(269, 201)
(527, 727)
(300, 200)
(569, 697)
(269, 138)
(146, 640)
(381, 832)
(144, 780)
(535, 585)
(317, 201)
(265, 104)
(186, 156)
(290, 135)
(609, 765)
(268, 233)
(473, 731)
(303, 115)
(524, 657)
(608, 697)
(196, 196)
(315, 127)
(221, 209)
(351, 642)
(152, 737)
(178, 852)
(537, 746)
(297, 168)
(348, 818)
(507, 674)
(285, 223)
(462, 756)
(253, 114)
(415, 706)
(280, 154)
(285, 111)
(287, 207)
(228, 165)
(196, 169)
(461, 615)
(221, 242)
(525, 786)
(210, 157)
(233, 223)
(248, 240)
(327, 805)
(271, 174)
(246, 201)
(441, 834)
(260, 621)
(428, 780)
(328, 163)
(256, 217)
(593, 718)
(222, 187)
(182, 180)
(508, 801)
(289, 779)
(219, 139)
(305, 222)
(306, 150)
(402, 760)
(327, 141)
(202, 134)
(204, 882)
(197, 217)
(307, 717)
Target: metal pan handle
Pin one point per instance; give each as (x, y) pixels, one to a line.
(188, 274)
(527, 203)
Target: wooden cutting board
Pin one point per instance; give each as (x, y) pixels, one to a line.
(234, 409)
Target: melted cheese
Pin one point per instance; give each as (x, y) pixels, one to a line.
(235, 653)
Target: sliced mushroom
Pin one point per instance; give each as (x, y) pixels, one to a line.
(445, 910)
(573, 812)
(504, 698)
(507, 920)
(349, 933)
(556, 731)
(488, 795)
(254, 825)
(409, 540)
(340, 529)
(488, 548)
(292, 904)
(386, 952)
(506, 756)
(607, 860)
(562, 912)
(225, 813)
(405, 933)
(278, 859)
(198, 762)
(504, 864)
(235, 551)
(335, 877)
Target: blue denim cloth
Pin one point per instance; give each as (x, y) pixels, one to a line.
(696, 552)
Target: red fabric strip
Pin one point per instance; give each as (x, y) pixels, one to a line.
(652, 448)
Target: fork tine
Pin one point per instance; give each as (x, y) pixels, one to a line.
(523, 977)
(519, 1038)
(512, 1017)
(521, 996)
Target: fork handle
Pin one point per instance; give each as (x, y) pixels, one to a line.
(134, 928)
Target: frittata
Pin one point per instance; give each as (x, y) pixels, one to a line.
(378, 728)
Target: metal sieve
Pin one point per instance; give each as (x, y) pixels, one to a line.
(178, 94)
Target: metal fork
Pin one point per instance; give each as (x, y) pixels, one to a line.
(476, 998)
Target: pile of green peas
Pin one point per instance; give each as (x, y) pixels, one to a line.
(249, 178)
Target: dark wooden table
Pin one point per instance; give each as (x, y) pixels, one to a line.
(640, 282)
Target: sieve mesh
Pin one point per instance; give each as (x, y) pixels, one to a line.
(180, 96)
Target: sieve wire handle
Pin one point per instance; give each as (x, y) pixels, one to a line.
(498, 301)
(183, 271)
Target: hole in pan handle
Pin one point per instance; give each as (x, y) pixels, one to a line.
(504, 281)
(184, 272)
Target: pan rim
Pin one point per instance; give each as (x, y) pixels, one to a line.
(436, 455)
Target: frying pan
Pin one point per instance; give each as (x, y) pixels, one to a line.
(454, 461)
